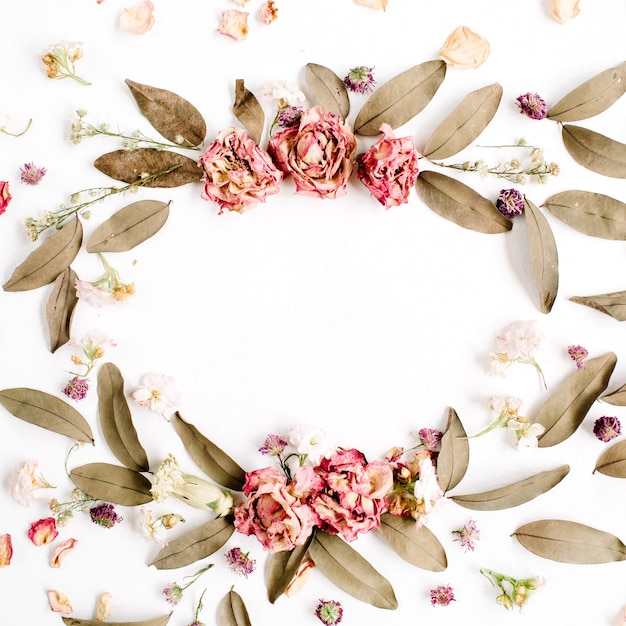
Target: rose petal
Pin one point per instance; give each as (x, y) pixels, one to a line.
(6, 550)
(61, 551)
(59, 602)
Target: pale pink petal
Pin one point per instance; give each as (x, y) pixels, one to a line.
(138, 19)
(105, 607)
(61, 551)
(234, 24)
(6, 550)
(59, 602)
(373, 4)
(268, 12)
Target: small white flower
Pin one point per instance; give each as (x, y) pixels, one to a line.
(25, 480)
(151, 529)
(311, 442)
(283, 91)
(427, 489)
(157, 392)
(526, 433)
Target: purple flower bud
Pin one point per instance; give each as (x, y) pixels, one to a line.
(104, 514)
(606, 428)
(532, 105)
(510, 203)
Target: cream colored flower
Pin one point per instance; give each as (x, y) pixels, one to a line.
(373, 4)
(464, 48)
(563, 10)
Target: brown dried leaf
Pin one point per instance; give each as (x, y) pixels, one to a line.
(116, 420)
(592, 97)
(570, 542)
(157, 621)
(60, 308)
(169, 169)
(563, 413)
(617, 398)
(417, 546)
(328, 89)
(590, 213)
(613, 304)
(112, 483)
(213, 461)
(53, 256)
(49, 412)
(347, 569)
(173, 116)
(465, 123)
(401, 98)
(613, 461)
(594, 151)
(453, 459)
(515, 494)
(248, 111)
(232, 611)
(195, 545)
(129, 227)
(460, 204)
(544, 259)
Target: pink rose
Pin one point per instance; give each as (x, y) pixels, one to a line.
(6, 550)
(389, 168)
(354, 498)
(138, 19)
(5, 196)
(278, 519)
(237, 173)
(316, 153)
(43, 531)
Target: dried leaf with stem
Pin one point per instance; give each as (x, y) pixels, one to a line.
(613, 461)
(328, 89)
(232, 611)
(612, 304)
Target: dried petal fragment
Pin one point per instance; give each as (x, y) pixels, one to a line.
(234, 24)
(61, 551)
(464, 48)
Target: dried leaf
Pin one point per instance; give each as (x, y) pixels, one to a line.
(613, 461)
(460, 204)
(116, 420)
(453, 459)
(232, 611)
(544, 259)
(613, 304)
(347, 569)
(195, 545)
(618, 398)
(401, 98)
(53, 256)
(417, 546)
(590, 213)
(570, 542)
(60, 308)
(592, 97)
(208, 457)
(465, 123)
(129, 227)
(49, 412)
(563, 413)
(248, 111)
(157, 621)
(513, 495)
(169, 169)
(283, 567)
(112, 483)
(328, 89)
(594, 151)
(173, 116)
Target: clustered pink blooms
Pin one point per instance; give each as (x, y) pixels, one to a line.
(240, 562)
(105, 515)
(442, 595)
(468, 535)
(532, 105)
(76, 388)
(578, 354)
(5, 196)
(389, 168)
(510, 203)
(606, 428)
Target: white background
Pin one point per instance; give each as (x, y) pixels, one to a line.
(365, 322)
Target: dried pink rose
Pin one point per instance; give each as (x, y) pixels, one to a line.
(61, 551)
(5, 196)
(234, 24)
(268, 12)
(389, 168)
(317, 153)
(464, 48)
(6, 550)
(59, 602)
(138, 19)
(563, 10)
(43, 531)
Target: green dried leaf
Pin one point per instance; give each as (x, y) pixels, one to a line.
(594, 151)
(129, 227)
(460, 204)
(613, 304)
(195, 545)
(563, 413)
(347, 569)
(232, 611)
(131, 166)
(157, 621)
(283, 567)
(515, 494)
(590, 213)
(173, 116)
(613, 461)
(214, 462)
(465, 123)
(248, 111)
(401, 98)
(53, 256)
(112, 483)
(544, 259)
(49, 412)
(592, 97)
(328, 89)
(453, 459)
(60, 308)
(417, 546)
(570, 542)
(116, 420)
(617, 398)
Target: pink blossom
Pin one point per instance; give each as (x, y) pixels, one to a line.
(138, 19)
(237, 173)
(43, 531)
(93, 295)
(25, 480)
(268, 12)
(6, 550)
(59, 602)
(234, 24)
(157, 392)
(317, 153)
(61, 551)
(5, 196)
(389, 168)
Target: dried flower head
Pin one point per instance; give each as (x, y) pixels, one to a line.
(527, 433)
(442, 595)
(158, 393)
(431, 438)
(105, 515)
(578, 354)
(329, 612)
(468, 535)
(607, 428)
(240, 562)
(30, 174)
(25, 481)
(360, 79)
(532, 105)
(174, 592)
(289, 116)
(510, 203)
(60, 58)
(274, 445)
(76, 388)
